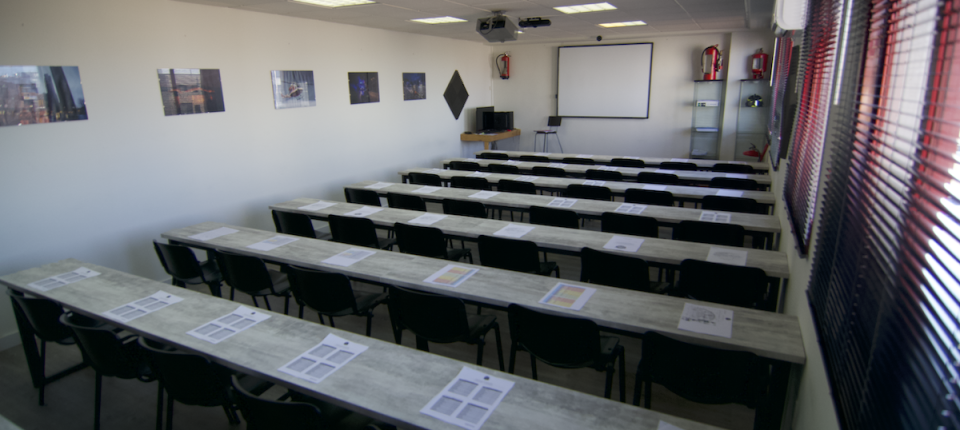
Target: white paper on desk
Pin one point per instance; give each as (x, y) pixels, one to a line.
(379, 185)
(557, 165)
(213, 234)
(718, 217)
(427, 219)
(62, 279)
(729, 193)
(273, 243)
(630, 157)
(678, 159)
(630, 208)
(141, 307)
(451, 275)
(483, 194)
(595, 183)
(434, 171)
(541, 153)
(562, 203)
(655, 187)
(706, 320)
(472, 159)
(727, 256)
(526, 178)
(663, 425)
(478, 175)
(469, 399)
(228, 325)
(364, 211)
(515, 231)
(665, 171)
(512, 162)
(737, 175)
(608, 168)
(317, 206)
(348, 257)
(624, 243)
(584, 155)
(426, 190)
(322, 360)
(568, 296)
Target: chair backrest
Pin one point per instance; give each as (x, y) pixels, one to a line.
(42, 314)
(723, 283)
(554, 217)
(361, 197)
(578, 160)
(505, 168)
(733, 168)
(657, 178)
(107, 353)
(591, 192)
(729, 204)
(494, 156)
(433, 317)
(709, 232)
(322, 291)
(265, 414)
(178, 261)
(509, 254)
(676, 165)
(243, 272)
(553, 172)
(535, 158)
(425, 179)
(735, 184)
(469, 183)
(294, 224)
(604, 175)
(627, 162)
(465, 165)
(648, 197)
(519, 187)
(353, 231)
(403, 201)
(464, 208)
(188, 378)
(634, 225)
(556, 340)
(420, 240)
(614, 270)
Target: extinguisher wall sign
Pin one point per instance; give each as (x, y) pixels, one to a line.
(503, 66)
(711, 61)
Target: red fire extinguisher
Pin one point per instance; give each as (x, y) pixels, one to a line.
(505, 70)
(711, 61)
(758, 64)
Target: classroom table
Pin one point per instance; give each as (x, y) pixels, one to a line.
(387, 381)
(652, 161)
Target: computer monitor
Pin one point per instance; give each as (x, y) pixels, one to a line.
(484, 122)
(554, 121)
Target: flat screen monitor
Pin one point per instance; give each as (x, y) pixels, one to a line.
(482, 123)
(553, 121)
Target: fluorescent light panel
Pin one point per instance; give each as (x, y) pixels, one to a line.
(622, 24)
(581, 8)
(334, 3)
(438, 20)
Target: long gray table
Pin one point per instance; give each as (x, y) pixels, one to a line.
(652, 161)
(387, 381)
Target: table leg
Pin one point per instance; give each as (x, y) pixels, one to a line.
(486, 146)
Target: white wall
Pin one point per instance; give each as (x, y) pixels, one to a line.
(100, 190)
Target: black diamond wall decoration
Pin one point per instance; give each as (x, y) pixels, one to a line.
(456, 95)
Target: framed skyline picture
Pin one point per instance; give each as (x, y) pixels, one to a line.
(364, 87)
(40, 94)
(189, 91)
(293, 89)
(414, 86)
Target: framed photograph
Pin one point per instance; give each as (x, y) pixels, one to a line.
(293, 89)
(189, 91)
(364, 87)
(40, 94)
(414, 86)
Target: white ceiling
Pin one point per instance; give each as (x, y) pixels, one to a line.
(663, 17)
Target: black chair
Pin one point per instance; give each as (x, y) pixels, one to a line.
(614, 270)
(675, 165)
(648, 197)
(504, 168)
(181, 264)
(464, 208)
(108, 354)
(424, 179)
(565, 342)
(578, 160)
(294, 224)
(362, 197)
(554, 217)
(357, 231)
(469, 183)
(427, 242)
(657, 178)
(735, 184)
(305, 414)
(709, 232)
(494, 156)
(331, 294)
(627, 162)
(552, 172)
(591, 192)
(251, 276)
(604, 175)
(518, 187)
(403, 201)
(40, 319)
(440, 319)
(700, 374)
(633, 225)
(535, 158)
(725, 284)
(733, 168)
(512, 254)
(730, 204)
(469, 166)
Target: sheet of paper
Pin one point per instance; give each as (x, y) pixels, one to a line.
(379, 185)
(526, 178)
(512, 162)
(478, 175)
(483, 194)
(451, 275)
(665, 171)
(469, 399)
(663, 425)
(655, 187)
(348, 257)
(624, 243)
(434, 171)
(706, 320)
(729, 193)
(228, 325)
(364, 211)
(213, 234)
(595, 183)
(427, 219)
(319, 362)
(472, 159)
(272, 243)
(141, 307)
(426, 190)
(630, 208)
(514, 231)
(557, 165)
(541, 153)
(679, 160)
(584, 155)
(630, 157)
(737, 175)
(62, 279)
(608, 168)
(317, 206)
(727, 256)
(562, 203)
(568, 296)
(719, 217)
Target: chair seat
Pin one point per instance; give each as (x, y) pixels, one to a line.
(280, 284)
(547, 267)
(210, 272)
(479, 325)
(329, 414)
(458, 254)
(364, 300)
(386, 243)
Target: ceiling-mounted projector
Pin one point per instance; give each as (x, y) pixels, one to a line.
(497, 29)
(534, 22)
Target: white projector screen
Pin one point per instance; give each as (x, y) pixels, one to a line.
(604, 81)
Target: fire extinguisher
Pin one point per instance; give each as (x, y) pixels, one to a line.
(505, 70)
(711, 61)
(758, 64)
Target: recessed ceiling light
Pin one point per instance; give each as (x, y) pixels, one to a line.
(580, 8)
(438, 20)
(622, 24)
(334, 3)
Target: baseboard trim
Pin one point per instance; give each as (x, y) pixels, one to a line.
(9, 341)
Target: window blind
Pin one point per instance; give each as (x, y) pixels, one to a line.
(778, 80)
